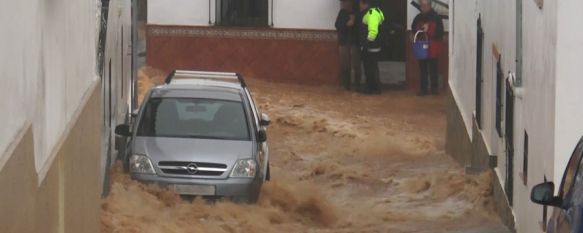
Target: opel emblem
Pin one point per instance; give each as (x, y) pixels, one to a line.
(192, 168)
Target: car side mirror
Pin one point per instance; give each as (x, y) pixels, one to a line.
(264, 121)
(261, 136)
(543, 194)
(123, 130)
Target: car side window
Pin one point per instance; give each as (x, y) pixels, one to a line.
(258, 115)
(254, 111)
(571, 173)
(579, 177)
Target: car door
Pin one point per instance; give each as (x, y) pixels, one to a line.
(262, 148)
(562, 218)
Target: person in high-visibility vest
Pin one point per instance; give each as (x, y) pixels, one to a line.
(372, 19)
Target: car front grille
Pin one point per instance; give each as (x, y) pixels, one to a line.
(192, 168)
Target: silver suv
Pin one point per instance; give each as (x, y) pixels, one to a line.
(200, 134)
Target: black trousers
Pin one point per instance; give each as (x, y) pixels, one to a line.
(350, 61)
(370, 61)
(428, 69)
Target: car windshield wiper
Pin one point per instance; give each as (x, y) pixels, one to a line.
(196, 137)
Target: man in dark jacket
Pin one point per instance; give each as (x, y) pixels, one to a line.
(372, 19)
(349, 48)
(431, 23)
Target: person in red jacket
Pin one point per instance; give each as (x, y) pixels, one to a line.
(432, 24)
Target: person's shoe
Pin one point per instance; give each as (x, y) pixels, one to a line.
(434, 92)
(422, 93)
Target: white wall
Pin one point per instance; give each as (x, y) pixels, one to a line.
(305, 14)
(117, 51)
(548, 109)
(538, 109)
(463, 58)
(19, 69)
(48, 63)
(494, 14)
(180, 12)
(48, 58)
(68, 59)
(569, 126)
(302, 14)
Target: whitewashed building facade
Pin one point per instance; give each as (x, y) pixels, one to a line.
(54, 92)
(515, 102)
(243, 36)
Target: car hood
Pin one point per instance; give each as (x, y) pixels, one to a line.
(193, 150)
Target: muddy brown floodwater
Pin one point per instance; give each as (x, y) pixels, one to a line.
(341, 162)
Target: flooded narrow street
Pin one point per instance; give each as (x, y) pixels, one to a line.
(341, 162)
(291, 116)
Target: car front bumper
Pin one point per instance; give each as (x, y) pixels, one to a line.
(239, 189)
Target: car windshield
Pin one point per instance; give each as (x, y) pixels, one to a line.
(194, 118)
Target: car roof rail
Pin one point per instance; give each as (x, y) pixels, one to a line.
(206, 75)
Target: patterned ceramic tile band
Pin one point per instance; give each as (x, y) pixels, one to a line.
(236, 33)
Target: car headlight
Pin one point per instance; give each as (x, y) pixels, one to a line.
(244, 168)
(141, 164)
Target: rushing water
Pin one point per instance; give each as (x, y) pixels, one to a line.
(340, 162)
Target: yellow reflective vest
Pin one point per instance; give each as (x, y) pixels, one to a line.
(373, 19)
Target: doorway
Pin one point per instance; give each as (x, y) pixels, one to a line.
(393, 59)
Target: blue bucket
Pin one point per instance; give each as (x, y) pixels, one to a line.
(421, 45)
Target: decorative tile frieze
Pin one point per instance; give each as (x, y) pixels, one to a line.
(242, 33)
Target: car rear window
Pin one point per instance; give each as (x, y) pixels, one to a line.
(194, 118)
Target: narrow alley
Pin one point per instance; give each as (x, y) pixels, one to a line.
(338, 166)
(299, 116)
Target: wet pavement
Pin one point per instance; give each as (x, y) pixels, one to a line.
(341, 162)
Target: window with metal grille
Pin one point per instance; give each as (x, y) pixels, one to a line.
(122, 79)
(479, 81)
(525, 160)
(499, 105)
(509, 135)
(102, 36)
(243, 13)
